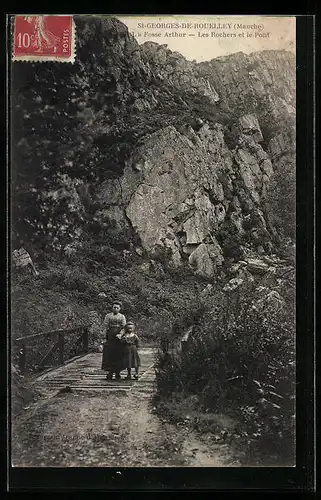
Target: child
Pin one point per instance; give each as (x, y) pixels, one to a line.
(131, 356)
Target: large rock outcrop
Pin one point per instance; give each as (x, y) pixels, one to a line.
(183, 154)
(183, 190)
(189, 189)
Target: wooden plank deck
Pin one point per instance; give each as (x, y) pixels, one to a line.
(85, 374)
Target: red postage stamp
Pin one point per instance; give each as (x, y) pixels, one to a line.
(44, 38)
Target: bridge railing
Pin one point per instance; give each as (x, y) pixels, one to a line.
(37, 352)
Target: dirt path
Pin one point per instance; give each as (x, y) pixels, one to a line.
(108, 428)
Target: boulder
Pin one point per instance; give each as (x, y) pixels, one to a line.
(257, 266)
(233, 284)
(201, 261)
(139, 251)
(205, 259)
(235, 268)
(22, 259)
(182, 183)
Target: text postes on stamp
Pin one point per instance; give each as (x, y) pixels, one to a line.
(44, 38)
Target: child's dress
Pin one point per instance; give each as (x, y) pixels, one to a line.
(131, 356)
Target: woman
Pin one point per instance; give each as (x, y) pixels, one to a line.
(113, 325)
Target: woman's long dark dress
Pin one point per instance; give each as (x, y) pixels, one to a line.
(112, 361)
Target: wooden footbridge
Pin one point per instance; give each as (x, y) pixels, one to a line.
(62, 360)
(84, 374)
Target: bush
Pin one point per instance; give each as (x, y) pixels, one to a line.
(280, 200)
(241, 361)
(76, 281)
(72, 279)
(230, 241)
(232, 250)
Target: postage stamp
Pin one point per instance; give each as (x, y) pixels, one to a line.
(44, 38)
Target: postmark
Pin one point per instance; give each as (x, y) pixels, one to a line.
(44, 38)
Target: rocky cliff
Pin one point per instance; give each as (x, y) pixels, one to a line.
(183, 155)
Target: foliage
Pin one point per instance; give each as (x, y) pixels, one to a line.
(229, 240)
(74, 283)
(241, 361)
(280, 200)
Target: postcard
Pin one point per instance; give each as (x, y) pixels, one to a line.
(153, 279)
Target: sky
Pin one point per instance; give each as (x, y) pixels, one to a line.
(204, 42)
